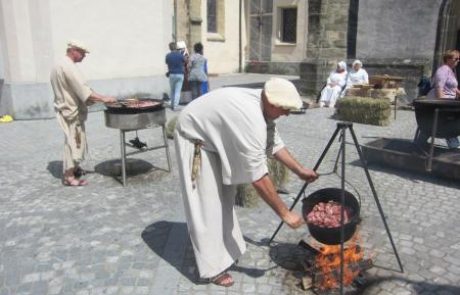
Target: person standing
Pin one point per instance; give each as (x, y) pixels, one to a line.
(72, 96)
(198, 71)
(175, 61)
(223, 139)
(445, 86)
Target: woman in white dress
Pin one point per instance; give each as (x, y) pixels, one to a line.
(335, 83)
(357, 75)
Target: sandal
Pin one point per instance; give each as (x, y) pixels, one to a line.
(224, 280)
(75, 182)
(79, 172)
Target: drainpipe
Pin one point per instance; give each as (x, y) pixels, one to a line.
(175, 21)
(240, 42)
(439, 29)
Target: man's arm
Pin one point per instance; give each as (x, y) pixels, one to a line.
(291, 163)
(266, 189)
(96, 97)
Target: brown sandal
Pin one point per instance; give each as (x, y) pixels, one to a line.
(224, 279)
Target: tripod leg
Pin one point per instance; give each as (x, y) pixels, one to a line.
(341, 137)
(374, 193)
(305, 185)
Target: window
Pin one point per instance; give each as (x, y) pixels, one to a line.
(215, 18)
(212, 16)
(288, 29)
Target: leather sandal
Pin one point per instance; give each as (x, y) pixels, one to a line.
(224, 280)
(75, 182)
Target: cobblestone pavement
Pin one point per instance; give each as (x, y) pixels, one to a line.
(109, 239)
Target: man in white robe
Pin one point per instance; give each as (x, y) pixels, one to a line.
(71, 97)
(223, 139)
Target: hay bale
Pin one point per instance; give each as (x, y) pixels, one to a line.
(247, 196)
(364, 110)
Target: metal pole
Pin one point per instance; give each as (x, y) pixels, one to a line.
(342, 211)
(123, 157)
(306, 183)
(374, 193)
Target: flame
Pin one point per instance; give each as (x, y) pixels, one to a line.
(327, 265)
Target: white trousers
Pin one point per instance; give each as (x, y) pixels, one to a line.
(329, 95)
(209, 210)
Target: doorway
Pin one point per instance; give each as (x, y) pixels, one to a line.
(260, 25)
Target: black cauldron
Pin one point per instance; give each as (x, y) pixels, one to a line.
(331, 236)
(448, 119)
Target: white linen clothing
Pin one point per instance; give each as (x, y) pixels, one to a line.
(230, 122)
(335, 83)
(357, 77)
(70, 96)
(236, 140)
(70, 90)
(209, 210)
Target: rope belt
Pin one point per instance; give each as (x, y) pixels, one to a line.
(196, 164)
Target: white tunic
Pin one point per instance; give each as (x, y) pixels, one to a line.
(357, 77)
(234, 132)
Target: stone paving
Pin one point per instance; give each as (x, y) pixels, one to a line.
(109, 239)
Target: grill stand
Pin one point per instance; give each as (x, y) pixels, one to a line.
(123, 145)
(342, 127)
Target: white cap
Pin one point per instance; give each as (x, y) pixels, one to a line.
(358, 62)
(77, 44)
(282, 93)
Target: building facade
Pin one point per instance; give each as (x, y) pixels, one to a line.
(129, 39)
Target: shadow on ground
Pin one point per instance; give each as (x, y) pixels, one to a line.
(55, 169)
(170, 241)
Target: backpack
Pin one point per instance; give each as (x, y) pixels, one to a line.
(424, 86)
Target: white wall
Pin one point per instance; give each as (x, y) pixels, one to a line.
(223, 55)
(126, 38)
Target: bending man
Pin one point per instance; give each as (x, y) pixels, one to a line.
(223, 139)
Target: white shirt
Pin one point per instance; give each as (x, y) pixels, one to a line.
(357, 77)
(230, 122)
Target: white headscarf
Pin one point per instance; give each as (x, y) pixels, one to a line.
(358, 62)
(342, 65)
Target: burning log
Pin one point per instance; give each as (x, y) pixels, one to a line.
(321, 277)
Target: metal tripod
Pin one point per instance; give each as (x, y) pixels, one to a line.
(342, 128)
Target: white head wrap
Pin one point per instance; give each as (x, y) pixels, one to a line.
(342, 65)
(77, 44)
(282, 93)
(358, 62)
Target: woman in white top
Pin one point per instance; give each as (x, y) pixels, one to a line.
(335, 83)
(357, 75)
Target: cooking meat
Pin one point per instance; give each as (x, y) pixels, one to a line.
(327, 214)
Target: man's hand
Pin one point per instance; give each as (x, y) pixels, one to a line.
(108, 99)
(293, 220)
(307, 174)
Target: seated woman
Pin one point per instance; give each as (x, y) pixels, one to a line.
(334, 87)
(445, 86)
(357, 75)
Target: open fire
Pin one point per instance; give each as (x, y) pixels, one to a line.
(323, 269)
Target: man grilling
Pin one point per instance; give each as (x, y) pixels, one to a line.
(71, 97)
(223, 139)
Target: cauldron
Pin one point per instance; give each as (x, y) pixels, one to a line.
(331, 236)
(448, 124)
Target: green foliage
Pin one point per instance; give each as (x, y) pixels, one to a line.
(364, 110)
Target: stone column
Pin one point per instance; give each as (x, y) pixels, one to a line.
(327, 41)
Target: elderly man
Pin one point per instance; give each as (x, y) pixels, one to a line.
(223, 139)
(71, 99)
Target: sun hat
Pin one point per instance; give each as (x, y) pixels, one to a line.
(77, 44)
(282, 93)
